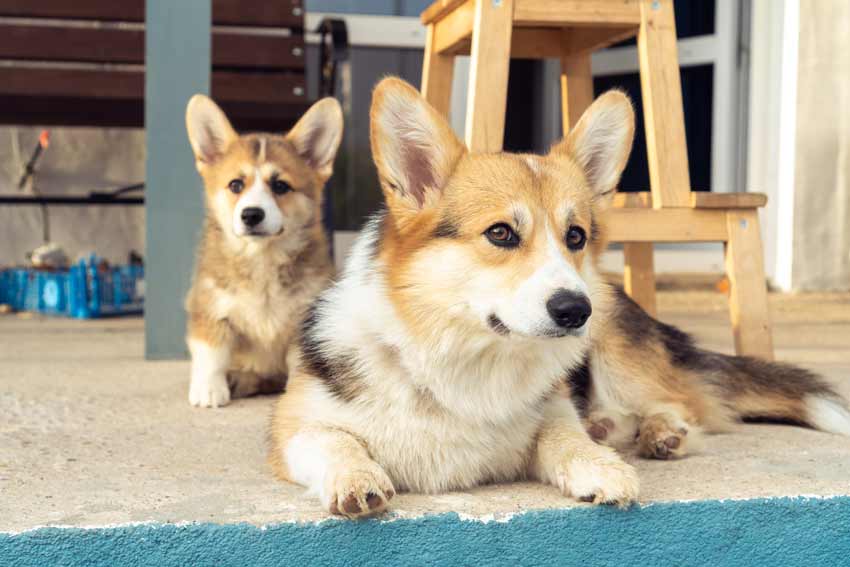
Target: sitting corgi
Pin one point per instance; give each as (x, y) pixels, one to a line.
(438, 361)
(263, 256)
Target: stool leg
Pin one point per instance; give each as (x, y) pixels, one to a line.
(576, 88)
(488, 75)
(576, 96)
(437, 73)
(664, 119)
(748, 307)
(639, 274)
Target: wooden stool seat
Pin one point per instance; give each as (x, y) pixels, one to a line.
(494, 31)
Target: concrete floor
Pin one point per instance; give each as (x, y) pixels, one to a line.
(91, 435)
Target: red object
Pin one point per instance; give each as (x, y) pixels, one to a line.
(44, 139)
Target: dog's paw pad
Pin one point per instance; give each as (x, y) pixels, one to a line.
(361, 493)
(598, 429)
(603, 478)
(660, 440)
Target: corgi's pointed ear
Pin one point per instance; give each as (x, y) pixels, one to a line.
(317, 135)
(413, 145)
(602, 140)
(210, 132)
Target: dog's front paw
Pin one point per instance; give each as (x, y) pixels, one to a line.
(359, 492)
(599, 476)
(209, 392)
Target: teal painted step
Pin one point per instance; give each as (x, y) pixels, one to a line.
(751, 533)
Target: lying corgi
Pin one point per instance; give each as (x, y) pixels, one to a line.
(263, 256)
(438, 361)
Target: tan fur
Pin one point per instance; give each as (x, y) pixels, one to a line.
(401, 381)
(249, 292)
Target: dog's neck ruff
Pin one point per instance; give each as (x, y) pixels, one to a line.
(475, 374)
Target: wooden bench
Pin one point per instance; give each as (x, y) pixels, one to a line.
(81, 62)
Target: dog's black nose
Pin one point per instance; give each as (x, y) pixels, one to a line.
(569, 309)
(252, 216)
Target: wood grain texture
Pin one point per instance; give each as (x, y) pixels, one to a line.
(453, 34)
(586, 12)
(698, 200)
(488, 75)
(748, 307)
(576, 88)
(661, 88)
(639, 274)
(437, 75)
(667, 225)
(280, 13)
(116, 45)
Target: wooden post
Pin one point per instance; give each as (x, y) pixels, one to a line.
(664, 119)
(576, 88)
(576, 96)
(748, 306)
(437, 73)
(639, 274)
(488, 75)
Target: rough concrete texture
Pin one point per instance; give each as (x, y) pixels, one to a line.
(91, 435)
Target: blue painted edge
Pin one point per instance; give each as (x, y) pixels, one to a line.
(752, 533)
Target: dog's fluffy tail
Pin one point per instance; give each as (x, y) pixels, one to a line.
(744, 387)
(775, 391)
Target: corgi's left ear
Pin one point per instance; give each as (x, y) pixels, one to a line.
(210, 132)
(317, 135)
(601, 141)
(413, 145)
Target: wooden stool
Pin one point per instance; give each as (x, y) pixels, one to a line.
(493, 31)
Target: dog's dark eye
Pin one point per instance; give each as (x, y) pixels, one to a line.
(236, 186)
(279, 186)
(576, 238)
(502, 235)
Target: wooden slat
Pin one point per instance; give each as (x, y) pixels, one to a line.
(698, 200)
(576, 89)
(439, 10)
(55, 43)
(488, 76)
(112, 84)
(639, 274)
(667, 225)
(536, 43)
(104, 10)
(706, 200)
(113, 45)
(129, 112)
(748, 307)
(454, 33)
(279, 88)
(279, 13)
(70, 111)
(262, 13)
(583, 12)
(664, 118)
(437, 74)
(583, 39)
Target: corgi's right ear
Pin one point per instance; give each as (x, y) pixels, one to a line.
(210, 132)
(414, 147)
